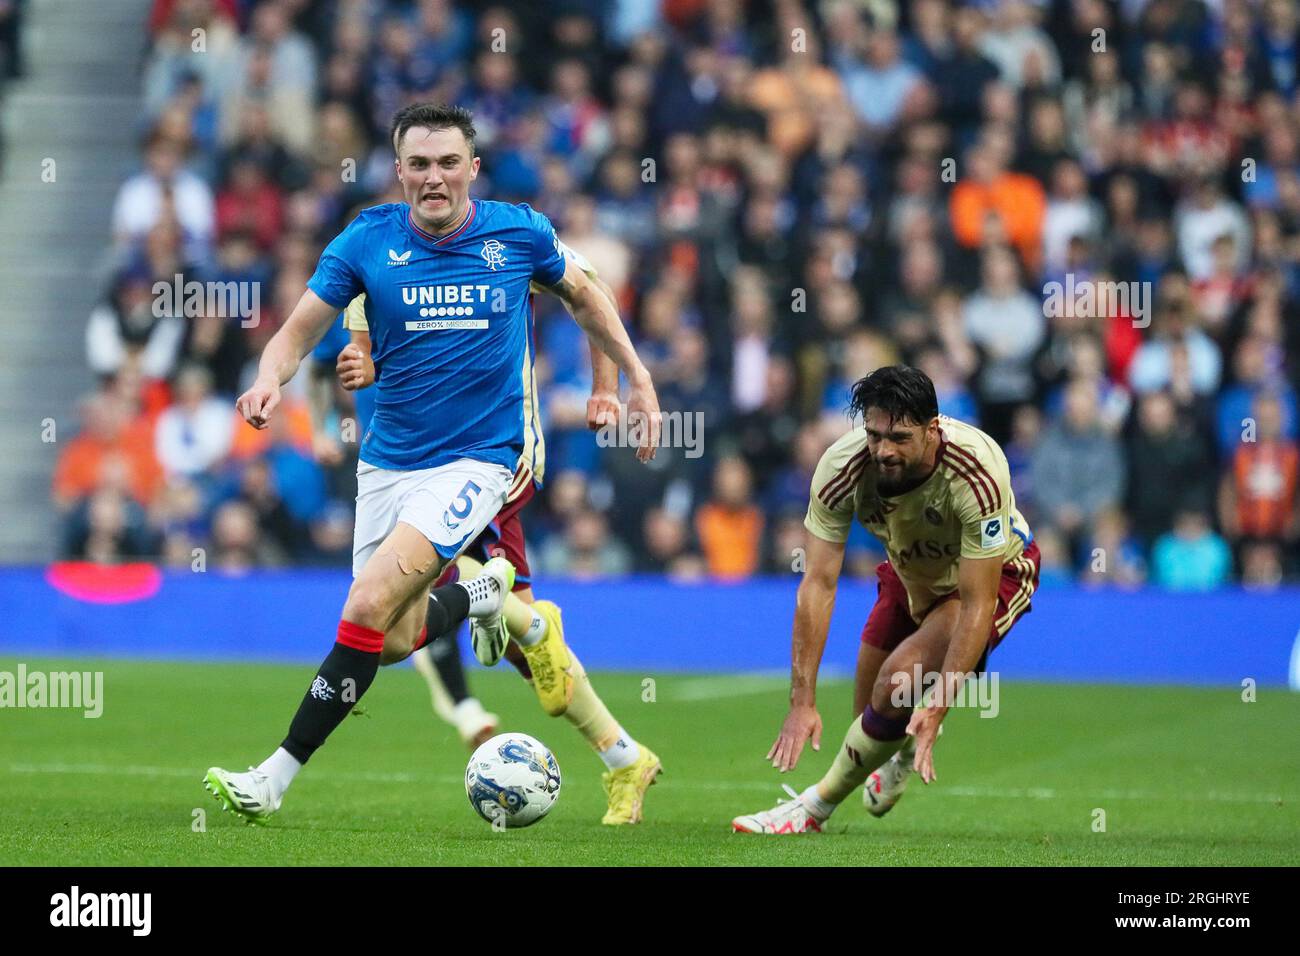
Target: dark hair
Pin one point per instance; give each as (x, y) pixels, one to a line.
(903, 393)
(433, 116)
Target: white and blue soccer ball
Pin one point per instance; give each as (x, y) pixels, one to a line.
(512, 780)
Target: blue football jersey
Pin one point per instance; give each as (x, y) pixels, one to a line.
(449, 320)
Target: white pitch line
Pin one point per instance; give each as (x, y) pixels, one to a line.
(716, 688)
(986, 793)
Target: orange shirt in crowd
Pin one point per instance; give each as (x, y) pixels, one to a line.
(731, 539)
(1019, 202)
(792, 100)
(80, 468)
(1264, 475)
(250, 442)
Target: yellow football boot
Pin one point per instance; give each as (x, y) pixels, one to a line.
(625, 789)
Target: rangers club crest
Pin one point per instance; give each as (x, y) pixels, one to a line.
(494, 253)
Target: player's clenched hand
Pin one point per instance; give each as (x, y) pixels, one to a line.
(643, 413)
(602, 409)
(355, 368)
(258, 402)
(802, 722)
(924, 726)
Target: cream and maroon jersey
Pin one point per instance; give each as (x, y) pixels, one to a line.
(532, 460)
(964, 509)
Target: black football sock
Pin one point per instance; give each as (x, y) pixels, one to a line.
(346, 673)
(448, 606)
(445, 652)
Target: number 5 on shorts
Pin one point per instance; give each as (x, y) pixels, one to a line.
(460, 508)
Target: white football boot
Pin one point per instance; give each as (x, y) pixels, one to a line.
(473, 723)
(247, 795)
(788, 816)
(886, 785)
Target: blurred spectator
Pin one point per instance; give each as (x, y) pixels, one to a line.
(257, 489)
(1252, 377)
(1071, 214)
(1261, 566)
(1022, 51)
(1175, 338)
(1055, 566)
(165, 190)
(1202, 220)
(195, 434)
(108, 528)
(765, 434)
(1170, 467)
(1258, 495)
(667, 540)
(1191, 557)
(1111, 556)
(1026, 432)
(127, 325)
(786, 541)
(988, 196)
(110, 449)
(1007, 326)
(237, 542)
(11, 22)
(250, 205)
(880, 85)
(1078, 469)
(585, 550)
(730, 525)
(963, 74)
(274, 67)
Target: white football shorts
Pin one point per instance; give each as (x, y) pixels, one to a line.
(450, 505)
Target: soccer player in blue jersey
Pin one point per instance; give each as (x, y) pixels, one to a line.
(447, 280)
(438, 661)
(531, 633)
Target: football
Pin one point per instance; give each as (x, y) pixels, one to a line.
(512, 780)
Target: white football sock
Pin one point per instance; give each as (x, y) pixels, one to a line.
(623, 752)
(484, 594)
(818, 807)
(280, 768)
(536, 631)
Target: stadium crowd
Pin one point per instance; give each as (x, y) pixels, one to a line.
(785, 195)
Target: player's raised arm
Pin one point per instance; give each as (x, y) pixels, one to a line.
(602, 406)
(596, 314)
(812, 619)
(307, 323)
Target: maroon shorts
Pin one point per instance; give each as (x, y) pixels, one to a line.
(503, 536)
(890, 623)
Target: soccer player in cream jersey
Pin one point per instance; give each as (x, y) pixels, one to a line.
(962, 569)
(447, 282)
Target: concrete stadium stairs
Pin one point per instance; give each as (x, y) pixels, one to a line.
(79, 104)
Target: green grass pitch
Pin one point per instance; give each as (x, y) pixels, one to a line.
(1184, 776)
